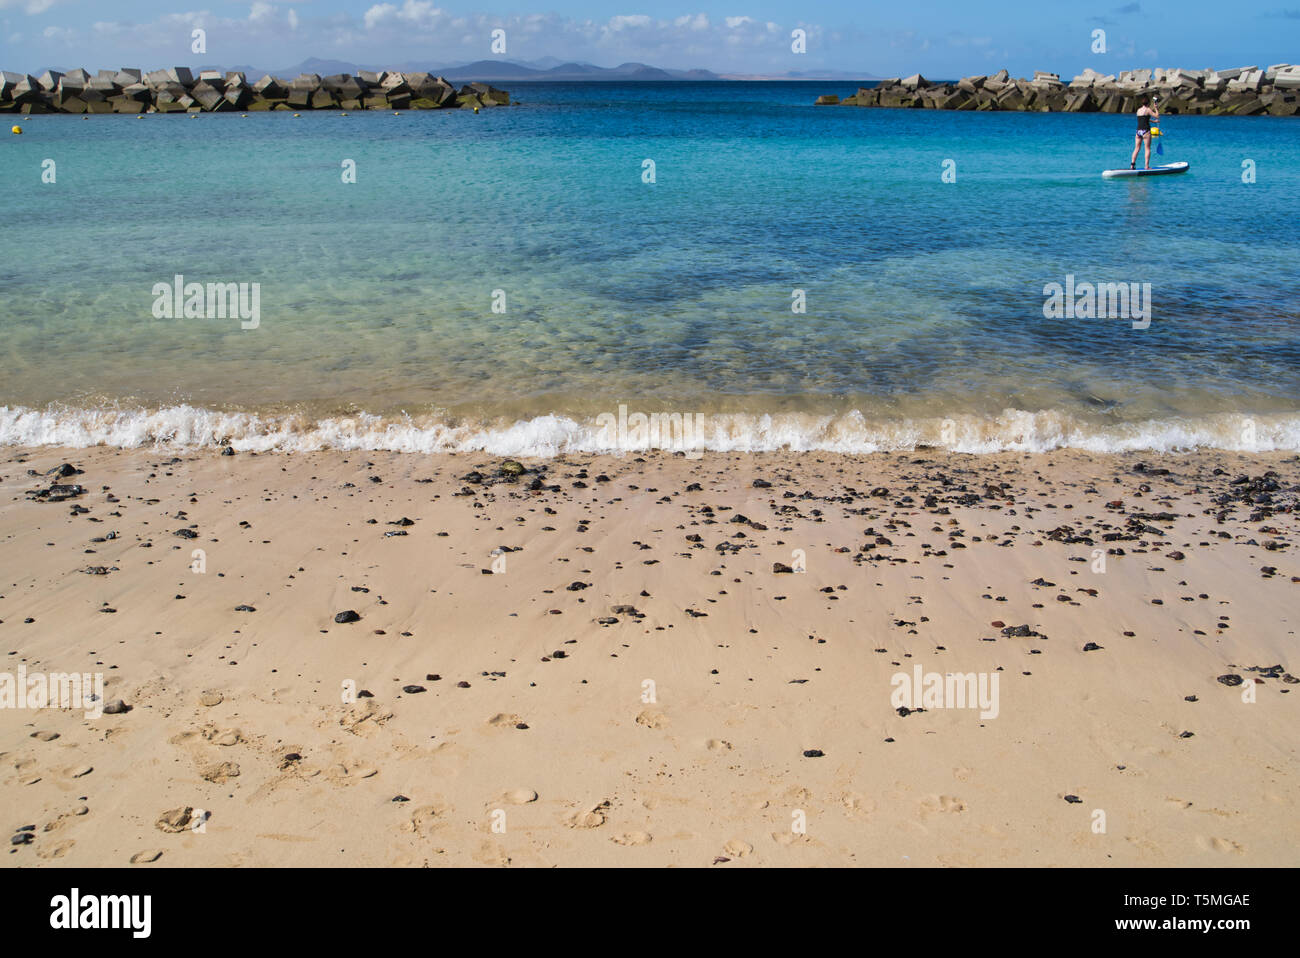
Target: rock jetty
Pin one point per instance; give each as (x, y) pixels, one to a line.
(178, 90)
(1245, 91)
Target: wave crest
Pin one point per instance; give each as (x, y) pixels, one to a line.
(554, 434)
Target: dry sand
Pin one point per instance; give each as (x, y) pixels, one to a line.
(515, 754)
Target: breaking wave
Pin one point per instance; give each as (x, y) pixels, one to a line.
(550, 435)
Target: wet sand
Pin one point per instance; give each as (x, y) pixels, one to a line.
(596, 663)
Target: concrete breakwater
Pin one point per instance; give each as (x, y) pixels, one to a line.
(1245, 91)
(178, 90)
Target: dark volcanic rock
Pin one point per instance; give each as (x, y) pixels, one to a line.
(57, 493)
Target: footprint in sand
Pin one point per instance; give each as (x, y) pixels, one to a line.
(505, 720)
(1145, 848)
(856, 804)
(55, 851)
(933, 804)
(424, 819)
(736, 848)
(25, 763)
(718, 745)
(652, 718)
(364, 718)
(632, 838)
(491, 854)
(45, 736)
(592, 817)
(175, 819)
(1223, 846)
(519, 796)
(340, 774)
(62, 819)
(962, 774)
(797, 795)
(220, 772)
(143, 858)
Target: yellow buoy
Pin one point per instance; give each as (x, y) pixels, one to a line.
(243, 116)
(17, 129)
(342, 114)
(397, 114)
(297, 114)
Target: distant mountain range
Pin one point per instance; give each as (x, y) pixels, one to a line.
(545, 69)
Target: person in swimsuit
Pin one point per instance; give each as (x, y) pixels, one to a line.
(1145, 114)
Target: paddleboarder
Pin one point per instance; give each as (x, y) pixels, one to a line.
(1145, 114)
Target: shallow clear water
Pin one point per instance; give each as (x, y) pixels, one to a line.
(924, 313)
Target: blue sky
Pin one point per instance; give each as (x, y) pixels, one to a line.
(939, 38)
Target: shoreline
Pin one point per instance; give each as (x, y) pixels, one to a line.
(630, 430)
(772, 691)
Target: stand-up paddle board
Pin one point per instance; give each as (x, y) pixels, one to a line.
(1154, 171)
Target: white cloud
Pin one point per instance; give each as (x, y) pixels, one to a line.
(30, 7)
(636, 20)
(378, 14)
(412, 13)
(293, 19)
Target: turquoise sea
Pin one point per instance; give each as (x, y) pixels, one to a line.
(923, 317)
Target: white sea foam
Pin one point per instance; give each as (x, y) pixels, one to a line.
(551, 435)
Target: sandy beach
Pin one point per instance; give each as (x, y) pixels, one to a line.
(597, 662)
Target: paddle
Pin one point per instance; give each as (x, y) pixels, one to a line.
(1160, 143)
